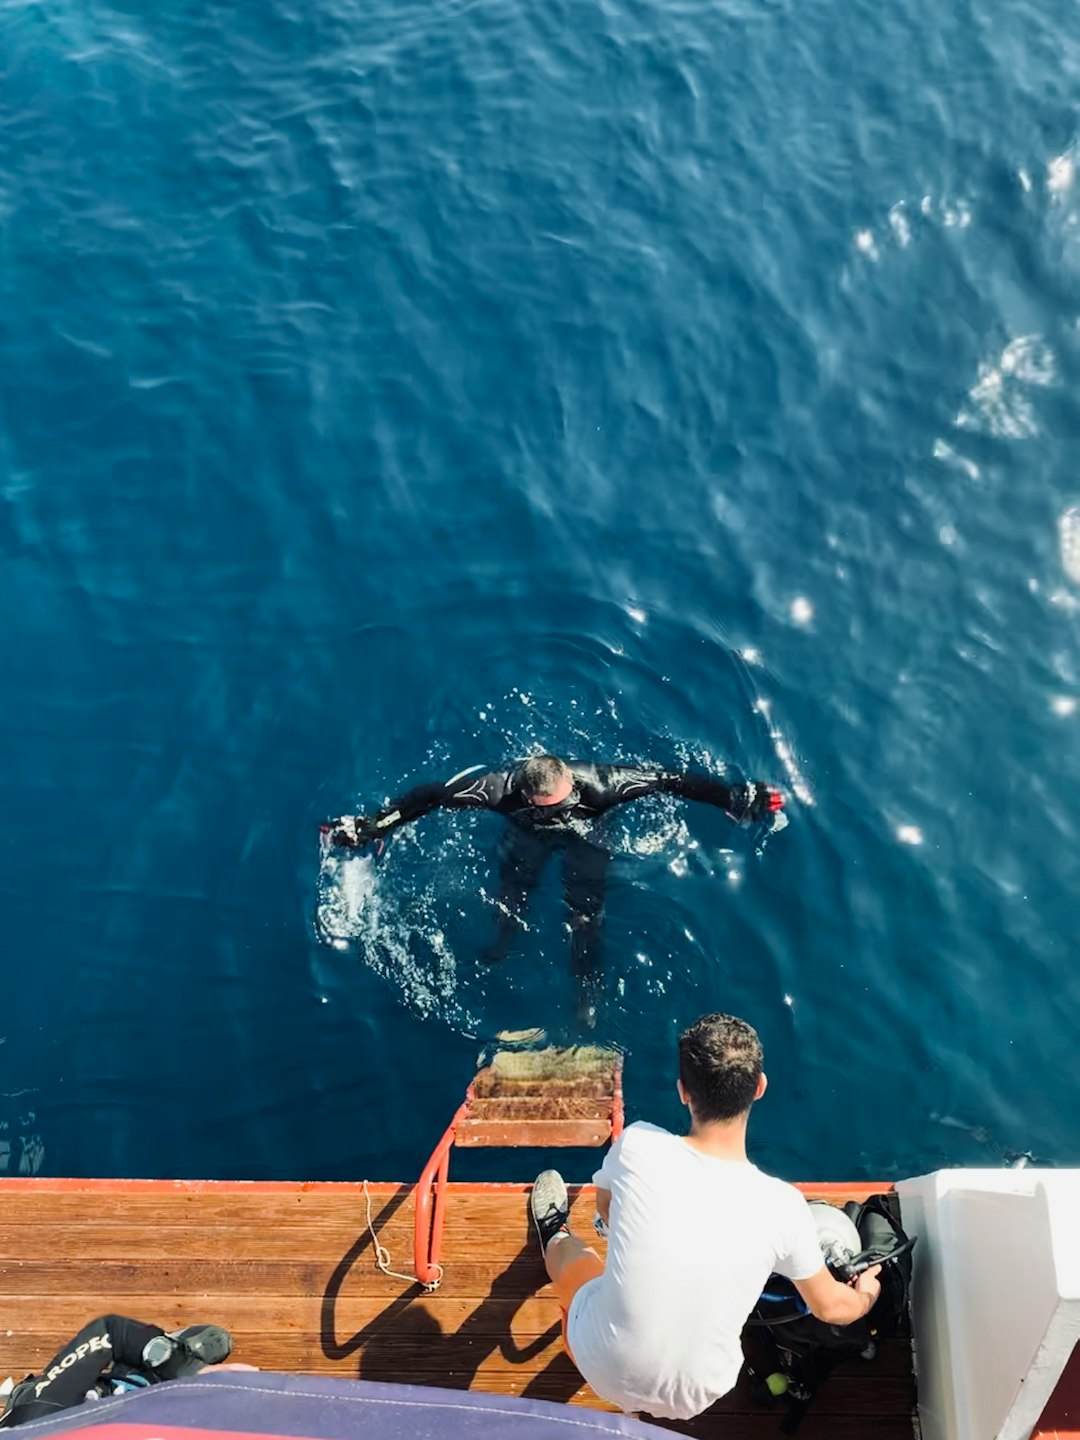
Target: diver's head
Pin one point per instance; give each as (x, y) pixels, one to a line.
(545, 780)
(720, 1074)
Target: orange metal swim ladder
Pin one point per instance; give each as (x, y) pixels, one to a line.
(532, 1098)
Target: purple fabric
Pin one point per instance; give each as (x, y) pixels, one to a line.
(301, 1405)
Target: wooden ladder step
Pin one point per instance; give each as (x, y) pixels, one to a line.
(541, 1133)
(542, 1107)
(543, 1097)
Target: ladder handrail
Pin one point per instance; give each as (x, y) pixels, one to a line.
(428, 1225)
(617, 1115)
(429, 1219)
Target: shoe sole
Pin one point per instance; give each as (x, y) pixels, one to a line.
(208, 1343)
(560, 1200)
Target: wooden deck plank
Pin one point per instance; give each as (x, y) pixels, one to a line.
(20, 1189)
(301, 1312)
(289, 1269)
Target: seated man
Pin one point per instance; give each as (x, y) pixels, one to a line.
(695, 1230)
(112, 1354)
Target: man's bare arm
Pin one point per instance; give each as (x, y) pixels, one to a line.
(838, 1304)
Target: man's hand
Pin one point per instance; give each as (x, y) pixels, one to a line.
(352, 831)
(834, 1302)
(868, 1284)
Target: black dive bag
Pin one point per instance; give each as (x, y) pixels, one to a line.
(804, 1350)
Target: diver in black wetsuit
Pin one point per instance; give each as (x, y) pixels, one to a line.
(550, 803)
(109, 1356)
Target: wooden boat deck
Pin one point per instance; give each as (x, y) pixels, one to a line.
(290, 1269)
(1061, 1418)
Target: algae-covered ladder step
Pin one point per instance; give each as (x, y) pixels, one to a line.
(545, 1097)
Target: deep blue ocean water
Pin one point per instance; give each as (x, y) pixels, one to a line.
(390, 387)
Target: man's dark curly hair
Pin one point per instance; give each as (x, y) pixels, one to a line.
(720, 1065)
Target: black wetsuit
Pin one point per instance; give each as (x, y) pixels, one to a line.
(538, 830)
(597, 788)
(111, 1343)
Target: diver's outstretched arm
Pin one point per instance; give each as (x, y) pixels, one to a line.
(467, 790)
(750, 801)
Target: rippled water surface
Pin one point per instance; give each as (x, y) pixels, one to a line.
(393, 387)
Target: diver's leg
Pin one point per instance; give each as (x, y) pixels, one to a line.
(584, 886)
(522, 857)
(78, 1366)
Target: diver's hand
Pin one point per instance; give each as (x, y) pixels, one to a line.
(351, 831)
(755, 801)
(868, 1284)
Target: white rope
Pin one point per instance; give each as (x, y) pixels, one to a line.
(382, 1254)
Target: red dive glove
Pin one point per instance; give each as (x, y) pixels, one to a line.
(755, 801)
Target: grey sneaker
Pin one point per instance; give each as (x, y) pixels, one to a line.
(549, 1206)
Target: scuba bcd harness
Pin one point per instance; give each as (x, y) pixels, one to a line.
(799, 1350)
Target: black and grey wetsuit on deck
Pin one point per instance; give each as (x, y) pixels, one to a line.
(110, 1343)
(538, 830)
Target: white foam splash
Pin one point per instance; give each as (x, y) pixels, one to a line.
(1063, 705)
(998, 402)
(802, 612)
(909, 835)
(1069, 542)
(667, 830)
(864, 243)
(346, 890)
(1061, 172)
(1030, 358)
(351, 913)
(957, 216)
(636, 614)
(899, 224)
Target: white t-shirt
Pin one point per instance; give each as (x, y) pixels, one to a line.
(691, 1242)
